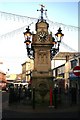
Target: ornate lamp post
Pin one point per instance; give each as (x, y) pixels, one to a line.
(27, 36)
(56, 42)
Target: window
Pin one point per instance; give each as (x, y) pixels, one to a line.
(73, 63)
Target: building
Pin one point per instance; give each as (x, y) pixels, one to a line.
(27, 67)
(64, 72)
(70, 78)
(59, 75)
(14, 78)
(2, 76)
(18, 77)
(3, 80)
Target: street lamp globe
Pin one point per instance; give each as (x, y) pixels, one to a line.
(59, 35)
(27, 36)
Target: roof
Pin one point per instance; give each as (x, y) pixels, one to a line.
(62, 55)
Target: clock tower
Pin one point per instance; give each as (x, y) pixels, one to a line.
(42, 74)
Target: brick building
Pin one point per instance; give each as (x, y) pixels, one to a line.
(3, 80)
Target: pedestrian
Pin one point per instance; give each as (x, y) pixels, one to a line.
(16, 93)
(20, 92)
(26, 93)
(11, 94)
(73, 95)
(29, 92)
(23, 93)
(66, 90)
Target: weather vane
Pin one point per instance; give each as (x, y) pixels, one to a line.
(42, 10)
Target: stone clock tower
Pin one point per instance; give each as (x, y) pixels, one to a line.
(42, 74)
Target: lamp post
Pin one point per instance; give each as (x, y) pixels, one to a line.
(56, 42)
(27, 36)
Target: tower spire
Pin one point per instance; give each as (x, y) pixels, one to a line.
(42, 10)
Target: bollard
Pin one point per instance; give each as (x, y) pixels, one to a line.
(33, 105)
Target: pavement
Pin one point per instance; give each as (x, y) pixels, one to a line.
(20, 110)
(25, 110)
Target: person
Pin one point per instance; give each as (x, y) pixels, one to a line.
(20, 92)
(66, 90)
(16, 93)
(73, 95)
(11, 94)
(29, 92)
(24, 93)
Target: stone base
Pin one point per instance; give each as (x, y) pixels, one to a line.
(42, 88)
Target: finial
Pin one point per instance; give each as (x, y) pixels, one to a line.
(42, 10)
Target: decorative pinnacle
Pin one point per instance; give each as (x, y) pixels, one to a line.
(42, 10)
(28, 29)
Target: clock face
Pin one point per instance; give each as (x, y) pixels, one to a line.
(42, 36)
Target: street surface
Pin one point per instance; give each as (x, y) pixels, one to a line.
(19, 110)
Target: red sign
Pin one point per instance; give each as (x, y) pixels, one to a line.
(76, 70)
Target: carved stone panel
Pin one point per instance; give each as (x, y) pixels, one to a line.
(42, 59)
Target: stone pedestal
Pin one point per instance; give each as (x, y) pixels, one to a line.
(42, 81)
